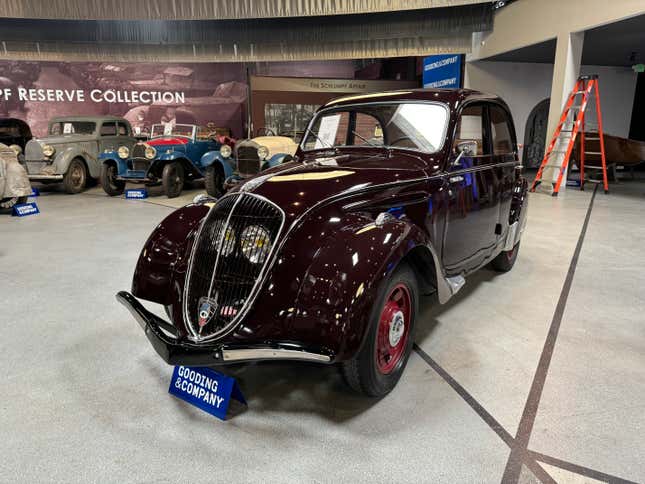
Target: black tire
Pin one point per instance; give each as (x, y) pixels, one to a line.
(110, 184)
(364, 373)
(505, 260)
(214, 182)
(75, 178)
(172, 179)
(11, 201)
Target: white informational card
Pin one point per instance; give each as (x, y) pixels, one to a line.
(68, 128)
(327, 131)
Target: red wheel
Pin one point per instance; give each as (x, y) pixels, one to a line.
(393, 329)
(379, 364)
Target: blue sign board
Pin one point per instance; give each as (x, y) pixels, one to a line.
(442, 71)
(136, 193)
(206, 389)
(24, 209)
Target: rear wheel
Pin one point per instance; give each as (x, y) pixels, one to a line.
(505, 260)
(173, 179)
(376, 369)
(214, 182)
(75, 178)
(110, 184)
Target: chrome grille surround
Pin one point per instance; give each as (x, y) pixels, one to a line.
(218, 272)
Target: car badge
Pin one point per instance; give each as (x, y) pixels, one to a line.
(207, 308)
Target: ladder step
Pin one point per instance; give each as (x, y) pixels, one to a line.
(593, 167)
(588, 138)
(593, 153)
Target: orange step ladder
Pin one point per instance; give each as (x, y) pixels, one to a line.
(584, 86)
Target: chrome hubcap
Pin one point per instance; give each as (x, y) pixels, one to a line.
(397, 328)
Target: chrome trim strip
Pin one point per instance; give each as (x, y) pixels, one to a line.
(258, 282)
(45, 177)
(271, 354)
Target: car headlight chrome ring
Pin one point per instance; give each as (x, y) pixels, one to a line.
(17, 149)
(263, 152)
(123, 152)
(150, 152)
(49, 150)
(255, 243)
(225, 151)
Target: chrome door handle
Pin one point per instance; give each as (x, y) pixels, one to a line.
(456, 179)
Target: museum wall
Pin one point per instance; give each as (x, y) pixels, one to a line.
(523, 85)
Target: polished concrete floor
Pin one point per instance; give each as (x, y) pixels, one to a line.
(537, 375)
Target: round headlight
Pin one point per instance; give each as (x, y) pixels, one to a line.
(16, 148)
(48, 150)
(150, 152)
(225, 151)
(123, 152)
(255, 243)
(263, 152)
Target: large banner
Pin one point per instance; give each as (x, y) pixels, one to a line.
(142, 93)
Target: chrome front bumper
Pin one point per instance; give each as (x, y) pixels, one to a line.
(164, 339)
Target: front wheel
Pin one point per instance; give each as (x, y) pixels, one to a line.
(376, 369)
(75, 178)
(505, 260)
(110, 184)
(172, 179)
(214, 182)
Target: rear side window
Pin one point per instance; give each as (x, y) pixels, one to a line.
(123, 129)
(500, 131)
(108, 129)
(471, 127)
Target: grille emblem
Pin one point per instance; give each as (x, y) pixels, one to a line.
(207, 308)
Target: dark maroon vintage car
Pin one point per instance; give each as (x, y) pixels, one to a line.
(324, 258)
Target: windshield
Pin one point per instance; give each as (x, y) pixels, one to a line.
(72, 127)
(417, 126)
(172, 130)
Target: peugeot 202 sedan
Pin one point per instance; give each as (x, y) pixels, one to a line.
(324, 258)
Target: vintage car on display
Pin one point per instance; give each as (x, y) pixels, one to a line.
(14, 183)
(70, 152)
(258, 154)
(324, 258)
(173, 155)
(15, 133)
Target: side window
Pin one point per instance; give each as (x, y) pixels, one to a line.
(500, 131)
(331, 130)
(368, 130)
(471, 127)
(108, 129)
(122, 129)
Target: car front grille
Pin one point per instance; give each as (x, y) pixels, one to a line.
(139, 165)
(248, 161)
(34, 151)
(221, 280)
(139, 150)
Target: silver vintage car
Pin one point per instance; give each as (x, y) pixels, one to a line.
(69, 153)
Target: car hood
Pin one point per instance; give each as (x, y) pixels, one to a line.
(57, 140)
(298, 186)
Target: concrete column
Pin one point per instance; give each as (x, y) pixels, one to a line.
(566, 70)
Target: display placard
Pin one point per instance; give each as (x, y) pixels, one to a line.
(24, 209)
(327, 131)
(136, 193)
(442, 71)
(205, 389)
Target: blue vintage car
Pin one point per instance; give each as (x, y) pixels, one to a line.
(173, 155)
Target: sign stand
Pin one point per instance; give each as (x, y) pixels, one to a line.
(206, 389)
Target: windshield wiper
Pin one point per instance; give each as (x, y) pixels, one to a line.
(367, 141)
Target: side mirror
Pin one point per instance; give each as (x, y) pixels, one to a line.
(467, 148)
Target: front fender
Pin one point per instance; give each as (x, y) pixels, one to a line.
(113, 157)
(214, 157)
(276, 160)
(65, 157)
(343, 281)
(14, 181)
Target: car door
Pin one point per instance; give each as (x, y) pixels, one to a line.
(473, 211)
(506, 160)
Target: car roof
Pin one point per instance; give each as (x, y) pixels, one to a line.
(11, 121)
(452, 97)
(96, 119)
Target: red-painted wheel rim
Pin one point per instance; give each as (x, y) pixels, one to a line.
(393, 329)
(510, 254)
